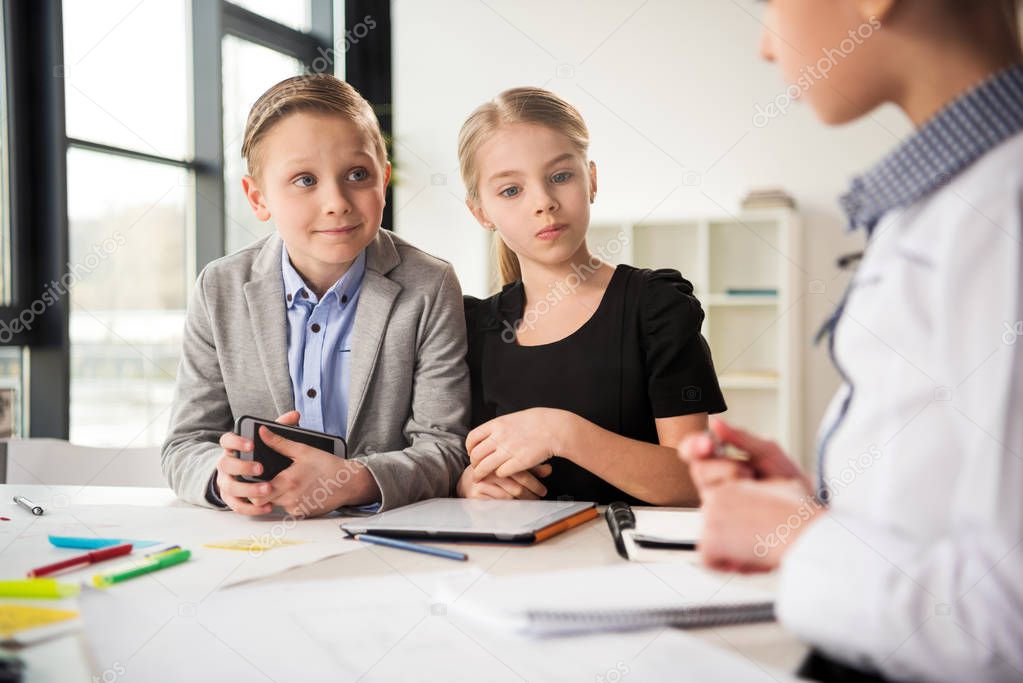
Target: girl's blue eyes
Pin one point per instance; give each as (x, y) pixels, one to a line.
(557, 179)
(301, 181)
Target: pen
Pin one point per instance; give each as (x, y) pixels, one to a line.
(414, 547)
(37, 588)
(29, 505)
(87, 558)
(722, 451)
(155, 563)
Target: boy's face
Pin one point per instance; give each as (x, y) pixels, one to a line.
(535, 189)
(830, 52)
(321, 181)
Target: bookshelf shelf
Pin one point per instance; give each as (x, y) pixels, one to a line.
(753, 332)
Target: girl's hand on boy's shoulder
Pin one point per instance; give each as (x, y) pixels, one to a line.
(516, 442)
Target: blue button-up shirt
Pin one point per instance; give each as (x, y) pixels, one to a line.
(320, 345)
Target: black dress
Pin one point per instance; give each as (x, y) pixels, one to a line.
(640, 356)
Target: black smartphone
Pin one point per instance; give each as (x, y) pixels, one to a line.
(273, 462)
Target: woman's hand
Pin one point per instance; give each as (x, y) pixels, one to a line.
(752, 507)
(760, 458)
(520, 486)
(516, 442)
(748, 525)
(244, 497)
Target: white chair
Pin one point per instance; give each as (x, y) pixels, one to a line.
(54, 462)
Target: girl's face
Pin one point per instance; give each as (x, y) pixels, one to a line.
(828, 53)
(535, 189)
(321, 181)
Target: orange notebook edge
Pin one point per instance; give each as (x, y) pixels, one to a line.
(565, 524)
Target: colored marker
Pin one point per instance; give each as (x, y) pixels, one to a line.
(155, 563)
(37, 588)
(88, 558)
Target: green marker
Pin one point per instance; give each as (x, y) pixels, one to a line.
(37, 588)
(154, 563)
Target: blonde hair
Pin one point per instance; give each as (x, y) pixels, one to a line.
(321, 93)
(517, 105)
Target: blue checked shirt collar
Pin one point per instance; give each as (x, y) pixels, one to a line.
(958, 135)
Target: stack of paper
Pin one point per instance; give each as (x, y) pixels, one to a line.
(622, 597)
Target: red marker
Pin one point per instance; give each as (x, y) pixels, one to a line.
(88, 558)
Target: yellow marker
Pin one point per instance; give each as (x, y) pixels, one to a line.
(37, 588)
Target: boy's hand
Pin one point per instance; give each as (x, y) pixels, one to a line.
(317, 482)
(521, 485)
(243, 497)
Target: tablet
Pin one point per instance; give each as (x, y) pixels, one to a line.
(462, 519)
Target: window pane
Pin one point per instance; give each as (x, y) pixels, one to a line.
(126, 74)
(293, 13)
(249, 70)
(11, 393)
(129, 264)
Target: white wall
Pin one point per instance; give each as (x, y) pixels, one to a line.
(668, 88)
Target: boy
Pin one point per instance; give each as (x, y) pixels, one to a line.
(361, 332)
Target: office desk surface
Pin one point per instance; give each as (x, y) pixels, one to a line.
(590, 545)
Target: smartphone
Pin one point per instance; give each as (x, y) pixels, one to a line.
(273, 462)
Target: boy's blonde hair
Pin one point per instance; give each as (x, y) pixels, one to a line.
(319, 93)
(517, 105)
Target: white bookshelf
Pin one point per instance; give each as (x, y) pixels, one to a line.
(753, 335)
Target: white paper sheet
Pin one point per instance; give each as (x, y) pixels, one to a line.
(390, 628)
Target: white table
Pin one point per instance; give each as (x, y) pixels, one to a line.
(65, 659)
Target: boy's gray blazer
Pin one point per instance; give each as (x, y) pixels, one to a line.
(409, 387)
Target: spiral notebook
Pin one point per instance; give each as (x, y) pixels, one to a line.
(618, 598)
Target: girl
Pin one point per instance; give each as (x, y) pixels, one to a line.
(583, 375)
(361, 332)
(906, 562)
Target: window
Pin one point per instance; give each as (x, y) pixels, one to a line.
(128, 230)
(11, 365)
(291, 13)
(146, 153)
(128, 244)
(6, 275)
(249, 69)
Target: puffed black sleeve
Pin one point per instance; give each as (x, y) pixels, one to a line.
(681, 378)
